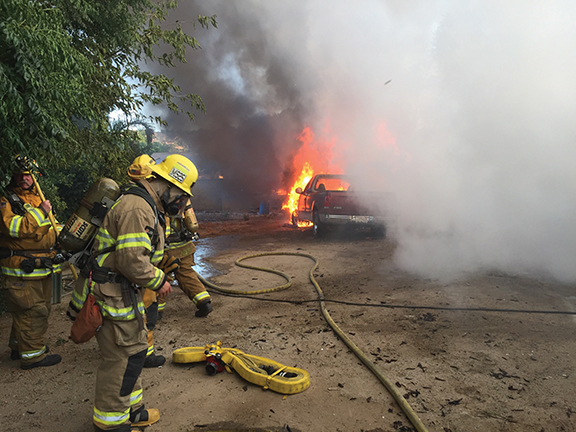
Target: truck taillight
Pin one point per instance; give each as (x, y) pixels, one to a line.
(327, 200)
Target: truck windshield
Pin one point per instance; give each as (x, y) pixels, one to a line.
(332, 184)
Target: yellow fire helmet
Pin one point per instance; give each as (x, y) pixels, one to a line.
(178, 170)
(141, 167)
(22, 164)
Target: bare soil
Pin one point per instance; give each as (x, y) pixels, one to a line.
(508, 367)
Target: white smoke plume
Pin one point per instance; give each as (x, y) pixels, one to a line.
(464, 110)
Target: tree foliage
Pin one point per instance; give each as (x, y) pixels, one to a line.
(66, 65)
(67, 186)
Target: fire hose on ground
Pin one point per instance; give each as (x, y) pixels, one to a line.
(406, 408)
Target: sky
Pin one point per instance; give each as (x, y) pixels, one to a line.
(463, 110)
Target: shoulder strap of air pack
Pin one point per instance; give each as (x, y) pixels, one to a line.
(15, 202)
(133, 189)
(139, 190)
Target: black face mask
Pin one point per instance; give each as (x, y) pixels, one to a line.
(172, 208)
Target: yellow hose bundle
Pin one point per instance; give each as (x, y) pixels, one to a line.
(261, 371)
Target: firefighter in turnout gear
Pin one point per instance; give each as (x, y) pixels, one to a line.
(126, 248)
(27, 240)
(180, 231)
(150, 300)
(179, 245)
(139, 170)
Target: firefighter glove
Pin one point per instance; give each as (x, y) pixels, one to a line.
(169, 264)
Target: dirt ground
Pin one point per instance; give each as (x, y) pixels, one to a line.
(459, 369)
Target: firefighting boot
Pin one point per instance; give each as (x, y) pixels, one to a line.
(49, 360)
(144, 417)
(204, 308)
(121, 428)
(154, 360)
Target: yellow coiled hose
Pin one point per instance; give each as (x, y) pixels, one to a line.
(416, 422)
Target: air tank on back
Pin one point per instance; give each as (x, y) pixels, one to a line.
(190, 220)
(86, 220)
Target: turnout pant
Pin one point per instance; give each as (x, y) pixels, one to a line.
(29, 302)
(118, 384)
(150, 299)
(186, 276)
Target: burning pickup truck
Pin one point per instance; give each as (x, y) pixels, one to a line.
(329, 200)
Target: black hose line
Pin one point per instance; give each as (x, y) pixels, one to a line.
(395, 306)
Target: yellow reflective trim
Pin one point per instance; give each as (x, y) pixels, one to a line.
(101, 258)
(177, 244)
(31, 354)
(135, 397)
(157, 257)
(35, 274)
(156, 280)
(78, 299)
(200, 296)
(133, 240)
(115, 204)
(14, 227)
(38, 216)
(111, 418)
(121, 314)
(104, 239)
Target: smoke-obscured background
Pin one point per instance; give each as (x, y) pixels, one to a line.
(465, 110)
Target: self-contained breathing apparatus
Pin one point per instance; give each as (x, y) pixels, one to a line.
(187, 229)
(190, 222)
(78, 231)
(85, 221)
(77, 236)
(85, 259)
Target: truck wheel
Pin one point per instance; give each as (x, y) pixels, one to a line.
(319, 228)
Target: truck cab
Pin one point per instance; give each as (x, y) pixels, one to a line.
(329, 200)
(315, 192)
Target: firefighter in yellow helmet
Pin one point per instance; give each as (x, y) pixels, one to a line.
(179, 246)
(27, 239)
(141, 167)
(127, 247)
(140, 170)
(180, 231)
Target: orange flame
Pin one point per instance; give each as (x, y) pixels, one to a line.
(313, 158)
(302, 180)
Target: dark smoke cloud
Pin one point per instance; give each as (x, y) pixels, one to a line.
(250, 80)
(465, 110)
